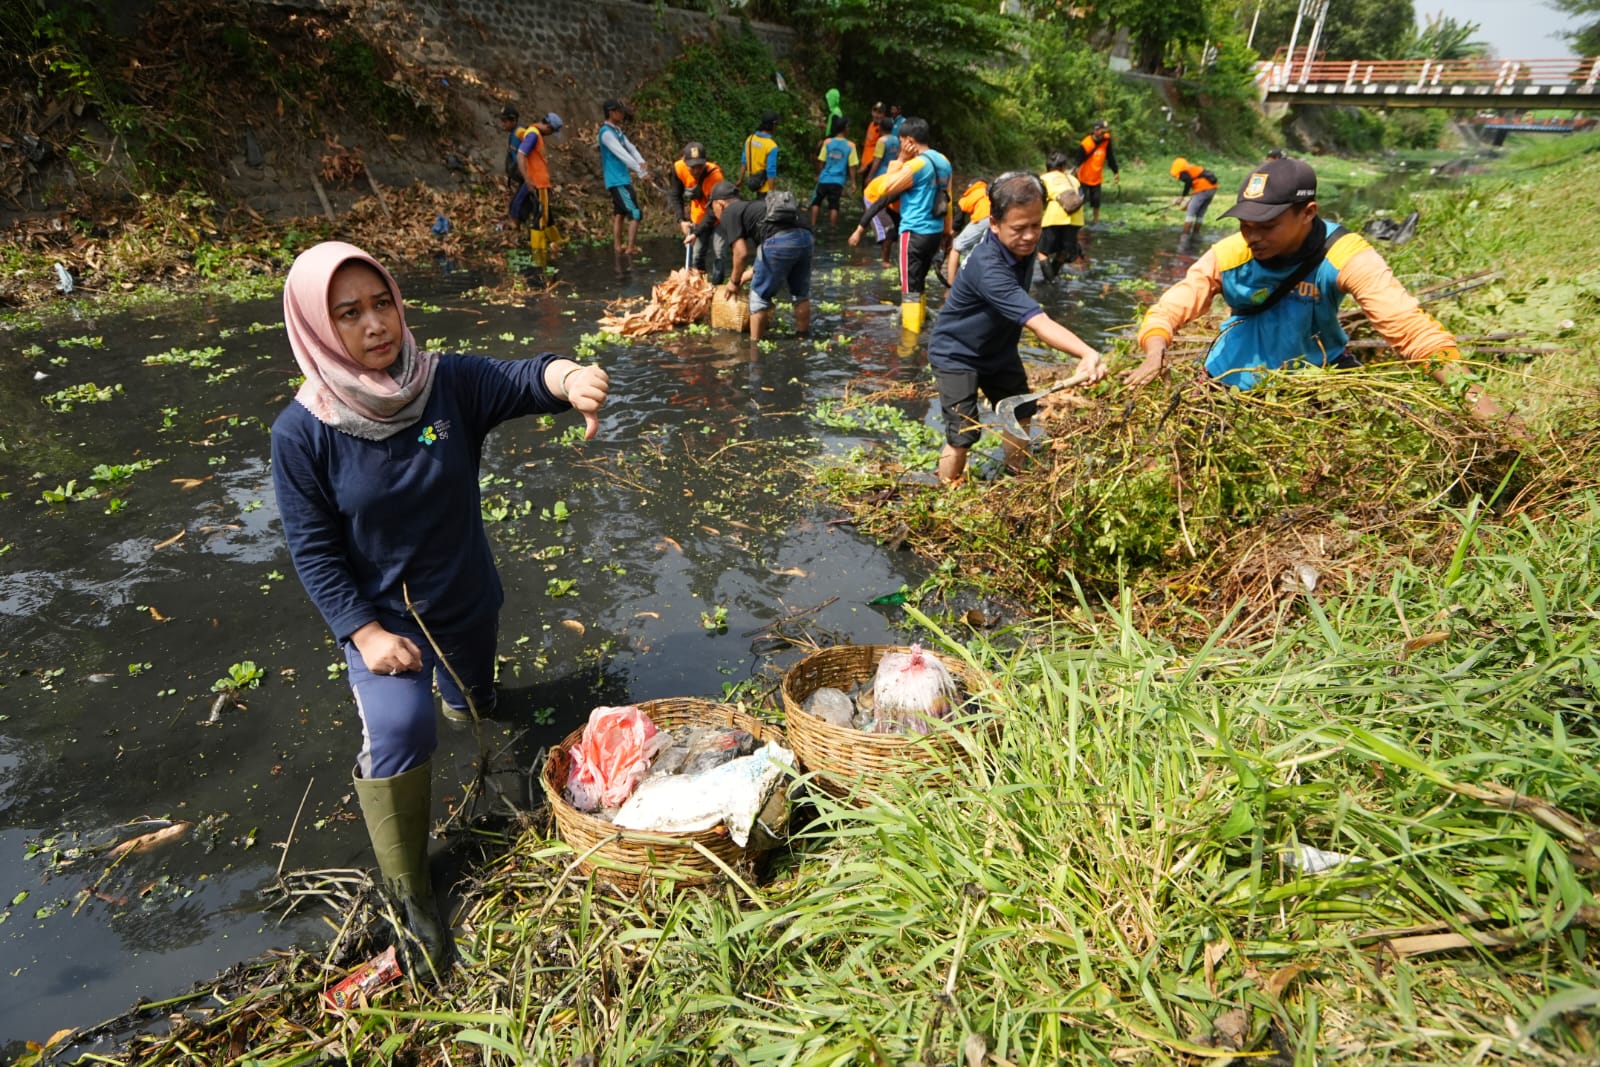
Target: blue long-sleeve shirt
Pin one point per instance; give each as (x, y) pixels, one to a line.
(362, 517)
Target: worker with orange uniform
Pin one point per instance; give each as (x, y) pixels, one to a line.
(1199, 186)
(1095, 154)
(689, 193)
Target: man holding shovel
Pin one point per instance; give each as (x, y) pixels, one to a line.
(974, 343)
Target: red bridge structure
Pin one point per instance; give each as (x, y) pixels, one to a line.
(1500, 84)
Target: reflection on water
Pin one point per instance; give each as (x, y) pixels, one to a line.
(119, 612)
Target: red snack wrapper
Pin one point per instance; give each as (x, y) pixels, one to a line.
(364, 981)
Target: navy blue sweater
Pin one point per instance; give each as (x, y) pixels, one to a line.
(363, 516)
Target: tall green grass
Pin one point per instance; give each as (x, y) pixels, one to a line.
(1107, 880)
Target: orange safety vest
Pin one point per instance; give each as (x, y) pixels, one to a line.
(1093, 169)
(975, 201)
(875, 187)
(873, 133)
(535, 168)
(713, 175)
(1197, 183)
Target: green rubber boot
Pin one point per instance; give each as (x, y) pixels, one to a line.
(396, 811)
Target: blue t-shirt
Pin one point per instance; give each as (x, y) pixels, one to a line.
(836, 165)
(361, 517)
(982, 318)
(930, 176)
(891, 152)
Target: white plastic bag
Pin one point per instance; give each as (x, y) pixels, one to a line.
(733, 794)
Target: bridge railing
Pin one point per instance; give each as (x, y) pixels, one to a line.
(1500, 74)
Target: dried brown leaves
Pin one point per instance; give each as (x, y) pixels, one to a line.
(683, 298)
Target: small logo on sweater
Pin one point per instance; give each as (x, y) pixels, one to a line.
(438, 431)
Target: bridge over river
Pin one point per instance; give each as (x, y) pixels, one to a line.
(1476, 84)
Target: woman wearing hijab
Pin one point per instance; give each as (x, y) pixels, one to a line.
(375, 464)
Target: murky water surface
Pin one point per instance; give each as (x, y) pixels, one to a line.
(118, 613)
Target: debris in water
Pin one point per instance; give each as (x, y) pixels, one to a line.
(683, 298)
(146, 842)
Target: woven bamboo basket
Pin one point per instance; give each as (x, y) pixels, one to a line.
(730, 314)
(850, 764)
(626, 858)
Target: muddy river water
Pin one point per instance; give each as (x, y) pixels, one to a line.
(642, 564)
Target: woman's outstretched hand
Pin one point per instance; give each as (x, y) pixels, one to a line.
(587, 389)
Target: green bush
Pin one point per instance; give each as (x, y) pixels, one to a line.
(1063, 86)
(1419, 128)
(715, 92)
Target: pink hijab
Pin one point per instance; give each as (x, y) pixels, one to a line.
(371, 404)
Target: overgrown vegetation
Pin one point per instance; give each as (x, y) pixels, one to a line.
(1369, 834)
(715, 92)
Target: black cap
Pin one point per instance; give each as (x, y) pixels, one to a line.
(613, 105)
(1272, 188)
(694, 154)
(508, 112)
(769, 119)
(724, 191)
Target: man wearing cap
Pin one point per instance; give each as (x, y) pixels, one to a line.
(768, 252)
(923, 186)
(619, 162)
(758, 164)
(690, 195)
(1095, 154)
(1283, 276)
(534, 196)
(508, 126)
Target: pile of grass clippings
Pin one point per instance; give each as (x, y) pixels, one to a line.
(1199, 497)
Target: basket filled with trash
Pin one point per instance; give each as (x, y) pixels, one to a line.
(679, 790)
(859, 715)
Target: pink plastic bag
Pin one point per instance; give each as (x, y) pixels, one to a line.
(610, 758)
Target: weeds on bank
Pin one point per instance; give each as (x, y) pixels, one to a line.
(1368, 837)
(1197, 497)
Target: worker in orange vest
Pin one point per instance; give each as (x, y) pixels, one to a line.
(690, 195)
(1199, 186)
(543, 235)
(1094, 156)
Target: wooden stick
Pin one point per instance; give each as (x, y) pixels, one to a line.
(377, 192)
(322, 195)
(290, 839)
